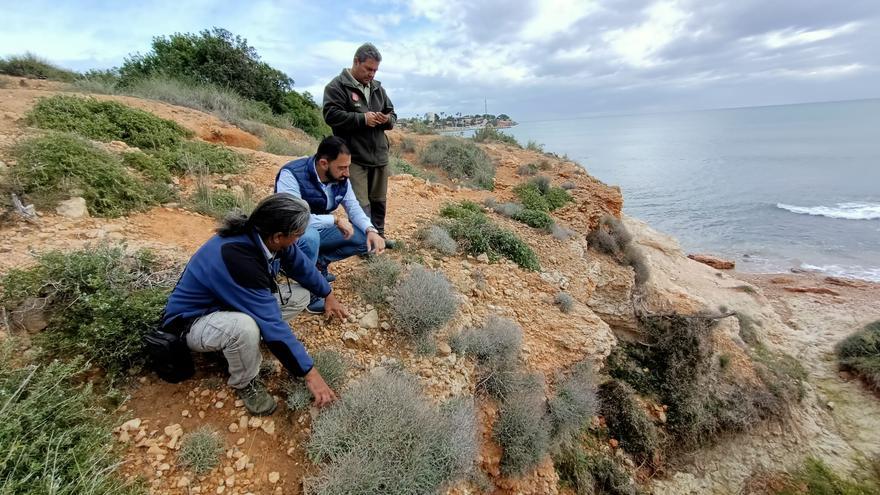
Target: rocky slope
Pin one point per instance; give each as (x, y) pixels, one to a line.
(837, 421)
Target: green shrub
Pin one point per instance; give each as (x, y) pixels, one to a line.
(56, 166)
(538, 195)
(522, 430)
(535, 146)
(564, 301)
(200, 157)
(476, 235)
(100, 302)
(218, 203)
(626, 420)
(407, 145)
(385, 437)
(30, 65)
(535, 218)
(589, 473)
(280, 145)
(492, 134)
(400, 166)
(213, 56)
(106, 121)
(527, 169)
(496, 343)
(860, 352)
(55, 434)
(437, 238)
(460, 159)
(420, 127)
(510, 210)
(816, 478)
(462, 209)
(574, 404)
(423, 302)
(557, 197)
(333, 368)
(376, 282)
(304, 113)
(148, 165)
(200, 450)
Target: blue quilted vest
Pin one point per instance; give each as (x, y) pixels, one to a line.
(310, 189)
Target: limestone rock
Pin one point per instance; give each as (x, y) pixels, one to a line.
(370, 320)
(713, 261)
(73, 208)
(351, 339)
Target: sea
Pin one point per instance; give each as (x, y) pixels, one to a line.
(773, 188)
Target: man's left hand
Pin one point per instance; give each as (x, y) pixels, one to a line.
(333, 308)
(345, 227)
(375, 243)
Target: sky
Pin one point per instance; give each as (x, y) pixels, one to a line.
(534, 60)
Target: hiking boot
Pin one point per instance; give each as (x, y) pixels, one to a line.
(257, 400)
(316, 306)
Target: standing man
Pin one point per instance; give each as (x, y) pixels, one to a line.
(358, 110)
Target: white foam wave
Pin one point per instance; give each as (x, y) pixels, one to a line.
(859, 272)
(847, 211)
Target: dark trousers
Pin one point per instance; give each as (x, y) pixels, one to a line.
(371, 187)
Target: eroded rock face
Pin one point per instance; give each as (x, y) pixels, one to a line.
(612, 298)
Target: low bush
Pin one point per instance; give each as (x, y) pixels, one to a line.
(561, 233)
(815, 477)
(200, 157)
(423, 302)
(476, 235)
(376, 282)
(30, 65)
(527, 169)
(407, 145)
(420, 127)
(634, 257)
(564, 301)
(54, 167)
(282, 146)
(496, 343)
(437, 238)
(589, 473)
(148, 165)
(535, 218)
(385, 437)
(510, 210)
(574, 404)
(535, 146)
(106, 121)
(218, 203)
(627, 421)
(612, 238)
(200, 450)
(460, 159)
(568, 185)
(400, 166)
(492, 134)
(860, 353)
(99, 301)
(333, 368)
(55, 435)
(523, 430)
(539, 195)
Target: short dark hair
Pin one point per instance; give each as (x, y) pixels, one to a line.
(367, 50)
(280, 212)
(331, 147)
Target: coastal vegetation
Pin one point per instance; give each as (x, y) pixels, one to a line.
(860, 353)
(476, 234)
(30, 65)
(461, 159)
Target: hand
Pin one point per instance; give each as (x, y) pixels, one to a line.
(375, 243)
(322, 393)
(333, 308)
(383, 117)
(345, 227)
(373, 119)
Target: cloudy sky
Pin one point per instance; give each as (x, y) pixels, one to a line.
(534, 60)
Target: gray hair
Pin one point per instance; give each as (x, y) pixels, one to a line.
(281, 212)
(367, 50)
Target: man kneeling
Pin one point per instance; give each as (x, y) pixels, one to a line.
(322, 181)
(227, 298)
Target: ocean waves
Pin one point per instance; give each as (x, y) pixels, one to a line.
(846, 211)
(863, 273)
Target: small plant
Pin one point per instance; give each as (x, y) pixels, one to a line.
(527, 169)
(510, 210)
(106, 121)
(612, 238)
(407, 145)
(535, 146)
(100, 301)
(476, 235)
(535, 218)
(860, 352)
(420, 127)
(148, 165)
(460, 159)
(377, 280)
(523, 430)
(200, 450)
(333, 368)
(423, 302)
(492, 134)
(30, 65)
(463, 209)
(437, 238)
(815, 477)
(561, 233)
(385, 437)
(626, 420)
(56, 433)
(565, 302)
(539, 195)
(400, 166)
(51, 166)
(496, 343)
(200, 157)
(593, 473)
(634, 257)
(747, 331)
(220, 202)
(574, 404)
(278, 144)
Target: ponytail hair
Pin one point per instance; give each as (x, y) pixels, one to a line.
(281, 212)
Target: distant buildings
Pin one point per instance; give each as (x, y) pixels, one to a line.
(443, 121)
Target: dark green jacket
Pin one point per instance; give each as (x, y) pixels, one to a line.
(344, 109)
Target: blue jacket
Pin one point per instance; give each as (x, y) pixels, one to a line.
(233, 274)
(303, 169)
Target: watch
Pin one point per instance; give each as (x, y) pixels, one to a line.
(372, 229)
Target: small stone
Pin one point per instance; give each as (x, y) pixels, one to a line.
(233, 428)
(483, 258)
(274, 476)
(228, 471)
(613, 443)
(443, 349)
(131, 424)
(269, 427)
(220, 489)
(201, 414)
(240, 441)
(219, 404)
(164, 466)
(155, 450)
(239, 402)
(241, 463)
(830, 405)
(230, 481)
(350, 339)
(182, 482)
(255, 422)
(385, 325)
(185, 413)
(73, 208)
(222, 394)
(370, 320)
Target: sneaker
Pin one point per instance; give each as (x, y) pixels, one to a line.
(316, 306)
(257, 400)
